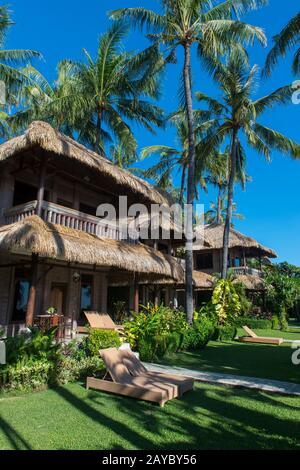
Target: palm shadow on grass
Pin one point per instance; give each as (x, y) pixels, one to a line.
(202, 419)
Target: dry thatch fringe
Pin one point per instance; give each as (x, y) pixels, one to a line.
(213, 236)
(33, 235)
(43, 135)
(250, 282)
(201, 280)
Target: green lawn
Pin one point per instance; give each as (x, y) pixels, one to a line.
(211, 417)
(254, 360)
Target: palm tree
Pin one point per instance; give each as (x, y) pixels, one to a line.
(170, 160)
(11, 78)
(97, 99)
(210, 25)
(217, 212)
(235, 116)
(286, 40)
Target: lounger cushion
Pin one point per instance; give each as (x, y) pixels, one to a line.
(155, 384)
(132, 363)
(137, 369)
(113, 362)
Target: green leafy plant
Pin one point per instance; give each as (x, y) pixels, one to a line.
(156, 330)
(100, 339)
(199, 334)
(36, 345)
(226, 302)
(283, 292)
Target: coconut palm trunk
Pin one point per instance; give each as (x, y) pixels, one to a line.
(189, 264)
(98, 131)
(219, 206)
(233, 162)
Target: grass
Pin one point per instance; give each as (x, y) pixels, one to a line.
(253, 360)
(211, 417)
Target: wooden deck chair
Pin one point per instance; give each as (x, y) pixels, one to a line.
(137, 369)
(253, 338)
(102, 321)
(142, 388)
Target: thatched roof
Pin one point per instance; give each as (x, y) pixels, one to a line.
(42, 135)
(201, 280)
(251, 282)
(33, 235)
(213, 237)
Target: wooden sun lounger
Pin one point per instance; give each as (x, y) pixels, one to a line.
(143, 388)
(137, 369)
(253, 338)
(101, 321)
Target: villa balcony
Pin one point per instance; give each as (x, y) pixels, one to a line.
(67, 217)
(245, 270)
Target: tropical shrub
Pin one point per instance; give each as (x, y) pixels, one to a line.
(199, 334)
(39, 374)
(283, 291)
(70, 369)
(36, 345)
(33, 375)
(100, 339)
(155, 330)
(275, 322)
(225, 333)
(225, 301)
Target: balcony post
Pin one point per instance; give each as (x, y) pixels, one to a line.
(41, 191)
(32, 290)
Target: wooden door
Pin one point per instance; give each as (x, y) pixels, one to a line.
(58, 298)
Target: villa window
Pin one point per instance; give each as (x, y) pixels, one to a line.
(86, 209)
(21, 295)
(204, 261)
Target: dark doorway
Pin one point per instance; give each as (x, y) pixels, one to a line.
(117, 294)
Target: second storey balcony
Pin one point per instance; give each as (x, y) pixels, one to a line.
(71, 218)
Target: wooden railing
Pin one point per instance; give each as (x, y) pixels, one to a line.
(67, 217)
(244, 270)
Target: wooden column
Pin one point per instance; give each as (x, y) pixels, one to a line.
(32, 290)
(136, 295)
(244, 257)
(156, 296)
(41, 191)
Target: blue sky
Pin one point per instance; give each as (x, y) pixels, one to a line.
(61, 28)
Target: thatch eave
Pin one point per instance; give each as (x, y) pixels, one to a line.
(213, 237)
(43, 136)
(56, 242)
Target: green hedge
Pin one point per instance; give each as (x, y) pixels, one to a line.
(100, 339)
(198, 335)
(259, 323)
(40, 374)
(225, 333)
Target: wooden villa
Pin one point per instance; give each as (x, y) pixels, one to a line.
(55, 252)
(246, 258)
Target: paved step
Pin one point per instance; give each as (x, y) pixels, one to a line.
(266, 385)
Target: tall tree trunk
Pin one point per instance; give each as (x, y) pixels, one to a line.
(182, 184)
(219, 208)
(98, 131)
(233, 160)
(189, 264)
